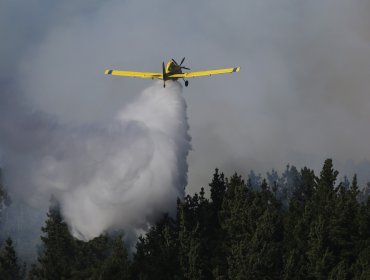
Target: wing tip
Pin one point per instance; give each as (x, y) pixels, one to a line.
(108, 72)
(236, 69)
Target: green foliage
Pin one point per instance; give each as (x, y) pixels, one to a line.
(64, 257)
(296, 227)
(117, 265)
(291, 226)
(217, 189)
(9, 267)
(156, 253)
(59, 253)
(253, 227)
(4, 197)
(90, 257)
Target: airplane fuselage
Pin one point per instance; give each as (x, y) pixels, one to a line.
(171, 69)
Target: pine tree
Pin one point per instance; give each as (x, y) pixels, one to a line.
(4, 197)
(217, 188)
(297, 225)
(361, 268)
(254, 180)
(344, 231)
(303, 192)
(264, 251)
(253, 231)
(9, 267)
(326, 182)
(58, 258)
(236, 226)
(117, 266)
(319, 214)
(156, 254)
(194, 261)
(320, 258)
(91, 256)
(213, 234)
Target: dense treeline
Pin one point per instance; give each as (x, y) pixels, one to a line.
(294, 226)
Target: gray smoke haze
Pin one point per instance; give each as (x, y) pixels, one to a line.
(302, 94)
(120, 175)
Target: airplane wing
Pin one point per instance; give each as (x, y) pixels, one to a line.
(206, 73)
(145, 75)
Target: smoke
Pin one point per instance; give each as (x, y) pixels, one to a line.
(120, 175)
(301, 96)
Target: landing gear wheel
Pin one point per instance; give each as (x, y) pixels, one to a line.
(186, 83)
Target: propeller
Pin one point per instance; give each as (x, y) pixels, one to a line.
(182, 67)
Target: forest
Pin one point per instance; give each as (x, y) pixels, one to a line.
(297, 225)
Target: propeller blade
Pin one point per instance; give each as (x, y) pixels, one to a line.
(182, 67)
(175, 61)
(182, 61)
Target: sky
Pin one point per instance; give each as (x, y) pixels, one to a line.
(302, 94)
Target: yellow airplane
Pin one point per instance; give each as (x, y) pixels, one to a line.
(172, 71)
